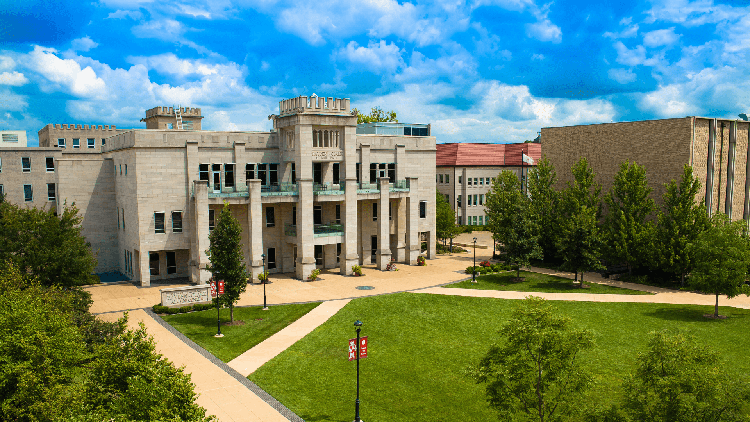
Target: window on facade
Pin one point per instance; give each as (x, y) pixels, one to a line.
(171, 263)
(104, 142)
(475, 182)
(392, 172)
(176, 221)
(187, 124)
(76, 143)
(338, 253)
(468, 181)
(458, 200)
(460, 178)
(126, 169)
(50, 191)
(28, 193)
(229, 175)
(2, 191)
(91, 142)
(481, 181)
(317, 214)
(294, 216)
(273, 174)
(26, 164)
(123, 219)
(153, 263)
(475, 200)
(447, 178)
(1, 164)
(374, 211)
(475, 220)
(50, 164)
(318, 173)
(270, 217)
(338, 214)
(249, 171)
(487, 181)
(125, 257)
(373, 172)
(61, 142)
(481, 223)
(447, 198)
(271, 258)
(390, 211)
(118, 218)
(481, 199)
(211, 220)
(422, 209)
(120, 169)
(336, 169)
(357, 167)
(294, 174)
(440, 178)
(262, 174)
(159, 222)
(203, 172)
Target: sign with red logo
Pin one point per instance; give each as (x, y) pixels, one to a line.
(221, 287)
(214, 284)
(213, 289)
(353, 348)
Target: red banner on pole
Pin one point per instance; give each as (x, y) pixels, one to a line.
(362, 347)
(213, 289)
(221, 287)
(353, 348)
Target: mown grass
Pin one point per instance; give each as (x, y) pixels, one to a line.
(419, 345)
(259, 325)
(536, 282)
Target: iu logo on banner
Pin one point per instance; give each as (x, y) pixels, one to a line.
(213, 289)
(221, 287)
(352, 349)
(363, 347)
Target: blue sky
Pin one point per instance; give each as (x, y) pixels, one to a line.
(483, 71)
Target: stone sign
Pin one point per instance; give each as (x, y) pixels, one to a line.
(188, 295)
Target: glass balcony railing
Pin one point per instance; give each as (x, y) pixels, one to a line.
(281, 189)
(319, 230)
(328, 189)
(229, 192)
(396, 186)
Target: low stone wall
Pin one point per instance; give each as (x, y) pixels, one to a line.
(181, 296)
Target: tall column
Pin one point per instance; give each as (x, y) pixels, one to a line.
(399, 214)
(349, 254)
(255, 227)
(710, 165)
(464, 198)
(199, 242)
(730, 169)
(400, 162)
(240, 178)
(305, 232)
(383, 254)
(145, 267)
(364, 167)
(413, 244)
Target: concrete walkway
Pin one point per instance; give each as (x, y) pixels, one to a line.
(256, 357)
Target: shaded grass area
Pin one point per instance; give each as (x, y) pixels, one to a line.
(419, 345)
(535, 282)
(259, 325)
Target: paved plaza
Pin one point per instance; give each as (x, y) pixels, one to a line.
(220, 387)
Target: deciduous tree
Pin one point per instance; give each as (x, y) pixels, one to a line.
(445, 219)
(534, 370)
(227, 261)
(581, 242)
(546, 207)
(722, 257)
(376, 115)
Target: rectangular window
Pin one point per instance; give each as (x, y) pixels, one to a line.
(475, 182)
(317, 214)
(318, 173)
(211, 220)
(481, 199)
(392, 172)
(159, 222)
(468, 181)
(76, 143)
(481, 181)
(271, 258)
(229, 175)
(338, 214)
(273, 174)
(123, 219)
(440, 178)
(447, 178)
(249, 171)
(104, 142)
(460, 178)
(153, 263)
(125, 257)
(120, 169)
(458, 200)
(357, 167)
(373, 172)
(171, 263)
(28, 193)
(118, 218)
(336, 169)
(2, 191)
(318, 251)
(374, 211)
(481, 223)
(176, 221)
(1, 164)
(61, 142)
(475, 200)
(338, 253)
(262, 174)
(294, 216)
(294, 173)
(475, 220)
(50, 191)
(203, 172)
(422, 209)
(390, 211)
(91, 142)
(50, 164)
(126, 169)
(10, 137)
(487, 181)
(447, 198)
(25, 164)
(270, 218)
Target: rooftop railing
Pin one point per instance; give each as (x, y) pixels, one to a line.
(319, 230)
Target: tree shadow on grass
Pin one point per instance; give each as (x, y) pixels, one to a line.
(317, 418)
(692, 314)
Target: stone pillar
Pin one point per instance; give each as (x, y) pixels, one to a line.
(199, 242)
(255, 227)
(413, 245)
(305, 233)
(364, 166)
(730, 169)
(383, 254)
(399, 214)
(710, 165)
(329, 256)
(240, 178)
(349, 254)
(144, 267)
(326, 169)
(400, 162)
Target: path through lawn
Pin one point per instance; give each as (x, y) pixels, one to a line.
(536, 282)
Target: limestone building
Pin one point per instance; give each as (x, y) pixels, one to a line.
(465, 172)
(717, 149)
(310, 193)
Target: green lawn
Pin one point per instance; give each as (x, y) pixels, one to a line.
(536, 282)
(420, 343)
(259, 325)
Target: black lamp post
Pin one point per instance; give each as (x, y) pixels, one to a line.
(218, 320)
(357, 324)
(474, 270)
(265, 281)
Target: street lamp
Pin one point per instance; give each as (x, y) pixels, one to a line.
(265, 280)
(474, 270)
(357, 324)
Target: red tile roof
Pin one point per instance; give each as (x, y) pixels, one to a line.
(472, 154)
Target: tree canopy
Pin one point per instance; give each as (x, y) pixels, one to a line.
(445, 218)
(376, 115)
(546, 206)
(581, 242)
(226, 258)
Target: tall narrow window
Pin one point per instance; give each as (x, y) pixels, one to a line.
(422, 209)
(229, 175)
(203, 172)
(50, 164)
(104, 142)
(373, 172)
(390, 211)
(2, 191)
(176, 221)
(481, 199)
(447, 198)
(487, 181)
(158, 222)
(118, 219)
(25, 164)
(125, 257)
(91, 142)
(458, 200)
(28, 193)
(262, 174)
(294, 216)
(294, 174)
(273, 174)
(468, 181)
(270, 217)
(126, 169)
(123, 219)
(271, 258)
(460, 180)
(153, 263)
(475, 182)
(392, 172)
(336, 178)
(374, 211)
(338, 214)
(61, 142)
(338, 253)
(216, 176)
(1, 164)
(481, 181)
(50, 191)
(211, 220)
(76, 143)
(447, 178)
(475, 200)
(249, 171)
(171, 263)
(357, 167)
(317, 214)
(440, 178)
(318, 173)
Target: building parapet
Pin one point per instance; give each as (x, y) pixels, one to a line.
(170, 111)
(82, 127)
(314, 104)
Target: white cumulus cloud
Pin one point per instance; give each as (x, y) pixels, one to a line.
(660, 37)
(66, 73)
(83, 44)
(623, 76)
(544, 30)
(13, 78)
(377, 56)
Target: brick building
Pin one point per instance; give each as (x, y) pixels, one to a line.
(305, 193)
(465, 171)
(717, 149)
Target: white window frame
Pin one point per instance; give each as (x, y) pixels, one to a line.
(50, 169)
(177, 229)
(23, 168)
(61, 143)
(91, 143)
(163, 222)
(76, 143)
(54, 192)
(31, 190)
